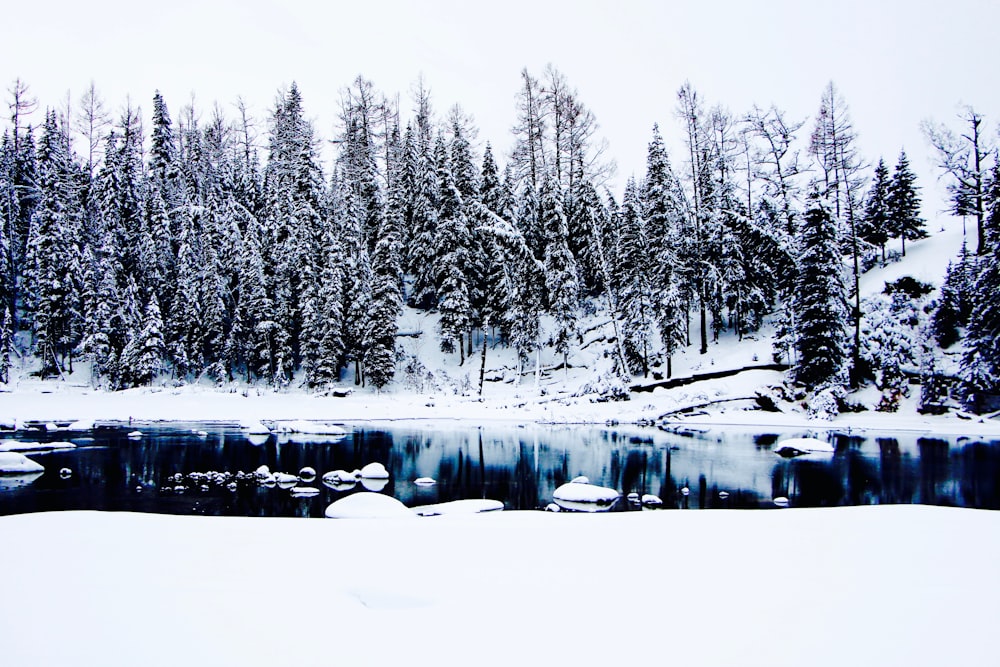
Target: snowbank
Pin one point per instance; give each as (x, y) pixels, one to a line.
(12, 463)
(301, 426)
(584, 497)
(471, 506)
(17, 446)
(797, 446)
(366, 505)
(696, 588)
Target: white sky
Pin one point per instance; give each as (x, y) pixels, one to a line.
(896, 63)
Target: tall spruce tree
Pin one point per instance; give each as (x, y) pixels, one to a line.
(822, 316)
(561, 281)
(903, 204)
(875, 224)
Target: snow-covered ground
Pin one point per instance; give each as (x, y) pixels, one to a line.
(883, 586)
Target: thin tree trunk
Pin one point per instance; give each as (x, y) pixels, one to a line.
(482, 363)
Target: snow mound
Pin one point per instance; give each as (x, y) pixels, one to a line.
(649, 500)
(472, 506)
(339, 477)
(7, 424)
(375, 484)
(799, 446)
(305, 491)
(310, 428)
(285, 480)
(366, 505)
(307, 474)
(12, 463)
(80, 425)
(254, 428)
(374, 470)
(585, 497)
(135, 435)
(425, 481)
(582, 479)
(17, 446)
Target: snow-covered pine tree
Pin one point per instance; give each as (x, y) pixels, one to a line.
(380, 360)
(664, 212)
(903, 204)
(634, 281)
(954, 307)
(833, 144)
(53, 277)
(183, 329)
(934, 387)
(421, 251)
(453, 253)
(561, 281)
(143, 356)
(9, 214)
(6, 346)
(875, 224)
(981, 349)
(822, 317)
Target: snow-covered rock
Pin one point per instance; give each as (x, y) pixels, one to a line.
(781, 501)
(341, 476)
(12, 463)
(81, 425)
(366, 505)
(376, 484)
(649, 500)
(582, 479)
(17, 446)
(309, 428)
(305, 491)
(65, 473)
(472, 506)
(799, 446)
(135, 435)
(284, 480)
(425, 481)
(7, 424)
(585, 497)
(307, 474)
(374, 470)
(254, 428)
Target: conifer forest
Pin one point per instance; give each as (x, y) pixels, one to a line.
(208, 245)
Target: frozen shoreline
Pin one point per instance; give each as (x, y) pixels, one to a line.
(890, 585)
(56, 401)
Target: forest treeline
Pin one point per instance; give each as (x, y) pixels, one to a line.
(221, 247)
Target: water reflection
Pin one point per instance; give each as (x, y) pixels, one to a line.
(520, 466)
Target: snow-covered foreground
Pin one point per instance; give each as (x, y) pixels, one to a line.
(891, 585)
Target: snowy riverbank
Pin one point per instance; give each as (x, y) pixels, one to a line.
(902, 585)
(50, 401)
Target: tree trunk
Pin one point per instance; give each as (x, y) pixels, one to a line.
(482, 365)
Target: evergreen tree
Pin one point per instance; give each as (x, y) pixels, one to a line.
(981, 350)
(561, 282)
(53, 275)
(453, 253)
(876, 225)
(6, 346)
(903, 204)
(635, 291)
(142, 359)
(822, 315)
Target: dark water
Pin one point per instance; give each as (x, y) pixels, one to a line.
(520, 466)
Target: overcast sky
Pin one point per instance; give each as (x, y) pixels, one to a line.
(896, 63)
